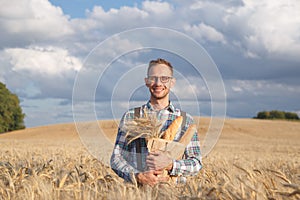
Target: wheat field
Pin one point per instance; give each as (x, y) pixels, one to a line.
(253, 159)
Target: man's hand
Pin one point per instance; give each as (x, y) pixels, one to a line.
(150, 177)
(159, 161)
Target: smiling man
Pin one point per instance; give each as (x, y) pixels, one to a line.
(132, 161)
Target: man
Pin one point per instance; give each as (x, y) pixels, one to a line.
(132, 161)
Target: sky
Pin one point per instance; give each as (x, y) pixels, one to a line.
(87, 59)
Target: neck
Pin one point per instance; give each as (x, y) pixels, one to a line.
(159, 104)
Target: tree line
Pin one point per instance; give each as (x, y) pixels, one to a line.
(11, 115)
(277, 114)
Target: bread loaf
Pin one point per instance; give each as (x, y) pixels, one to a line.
(170, 133)
(186, 138)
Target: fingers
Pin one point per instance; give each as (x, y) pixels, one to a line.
(158, 161)
(151, 177)
(147, 178)
(152, 166)
(155, 153)
(151, 161)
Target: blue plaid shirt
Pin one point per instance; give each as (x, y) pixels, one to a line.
(124, 159)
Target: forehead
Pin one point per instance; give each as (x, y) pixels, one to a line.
(159, 70)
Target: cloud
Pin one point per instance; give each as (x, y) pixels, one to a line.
(272, 28)
(39, 72)
(253, 96)
(46, 111)
(204, 32)
(42, 61)
(258, 28)
(245, 97)
(105, 23)
(98, 19)
(157, 8)
(31, 21)
(248, 25)
(190, 88)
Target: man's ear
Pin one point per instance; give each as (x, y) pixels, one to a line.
(173, 81)
(146, 82)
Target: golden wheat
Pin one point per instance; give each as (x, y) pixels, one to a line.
(238, 168)
(80, 176)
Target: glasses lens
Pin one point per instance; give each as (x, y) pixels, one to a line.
(151, 78)
(164, 79)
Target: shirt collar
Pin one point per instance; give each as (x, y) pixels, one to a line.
(169, 108)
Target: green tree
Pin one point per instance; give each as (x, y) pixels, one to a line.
(276, 114)
(290, 115)
(263, 115)
(11, 115)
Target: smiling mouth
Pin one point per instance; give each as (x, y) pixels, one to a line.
(158, 89)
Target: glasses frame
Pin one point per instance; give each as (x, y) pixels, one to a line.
(154, 79)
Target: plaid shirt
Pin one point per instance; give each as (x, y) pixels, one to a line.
(124, 159)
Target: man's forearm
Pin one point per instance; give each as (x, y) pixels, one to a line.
(186, 167)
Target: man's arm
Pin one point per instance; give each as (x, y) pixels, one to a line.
(123, 156)
(118, 162)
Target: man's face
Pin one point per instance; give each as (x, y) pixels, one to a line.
(159, 81)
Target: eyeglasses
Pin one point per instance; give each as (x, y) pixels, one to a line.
(163, 79)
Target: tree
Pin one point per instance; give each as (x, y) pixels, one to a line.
(276, 114)
(290, 115)
(11, 115)
(263, 115)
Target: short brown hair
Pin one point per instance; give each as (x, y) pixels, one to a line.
(160, 61)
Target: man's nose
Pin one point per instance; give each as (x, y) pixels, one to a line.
(157, 80)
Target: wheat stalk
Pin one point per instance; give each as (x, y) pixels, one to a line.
(147, 126)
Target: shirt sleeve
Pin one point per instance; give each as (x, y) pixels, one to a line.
(191, 162)
(120, 155)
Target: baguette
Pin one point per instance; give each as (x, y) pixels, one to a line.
(170, 133)
(186, 138)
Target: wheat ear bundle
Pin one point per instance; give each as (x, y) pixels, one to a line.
(147, 126)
